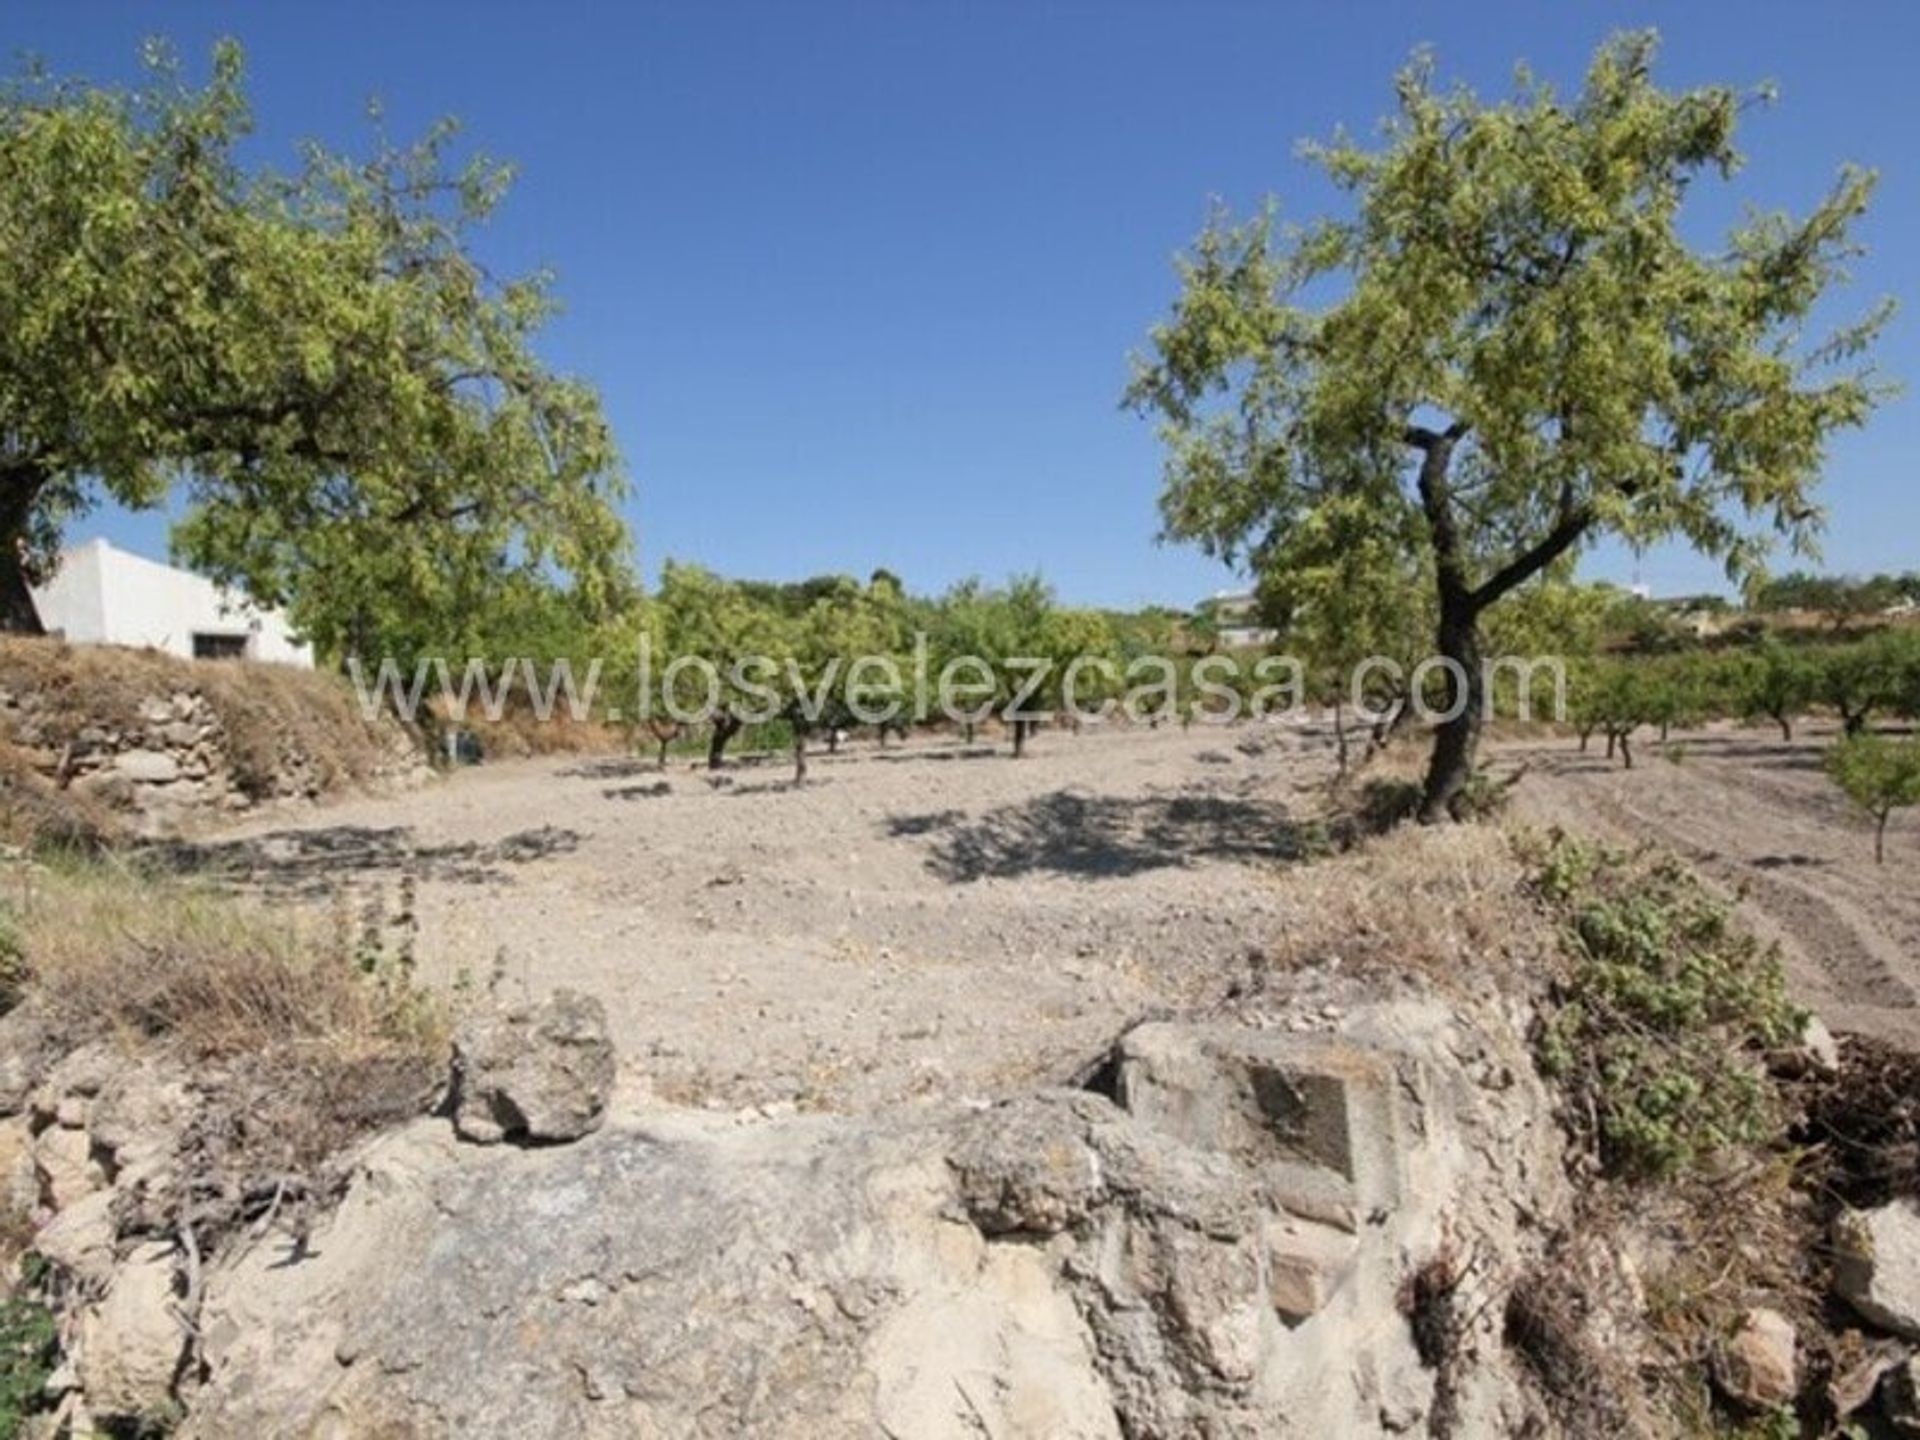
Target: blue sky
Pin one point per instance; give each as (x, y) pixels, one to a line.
(858, 281)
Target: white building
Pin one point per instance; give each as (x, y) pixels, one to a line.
(1236, 616)
(104, 596)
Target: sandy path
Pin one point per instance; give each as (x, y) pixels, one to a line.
(932, 919)
(1760, 816)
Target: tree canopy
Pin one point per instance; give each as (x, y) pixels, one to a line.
(1509, 345)
(347, 399)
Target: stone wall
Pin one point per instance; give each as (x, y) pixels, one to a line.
(160, 747)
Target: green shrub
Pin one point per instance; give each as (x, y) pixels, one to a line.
(13, 959)
(28, 1350)
(1660, 1026)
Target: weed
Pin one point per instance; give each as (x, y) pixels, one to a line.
(28, 1352)
(1665, 1014)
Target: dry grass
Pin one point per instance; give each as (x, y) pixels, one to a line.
(294, 1044)
(520, 733)
(1446, 902)
(34, 811)
(112, 947)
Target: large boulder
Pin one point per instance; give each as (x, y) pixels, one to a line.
(535, 1074)
(1876, 1264)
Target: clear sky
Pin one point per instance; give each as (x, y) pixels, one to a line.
(858, 281)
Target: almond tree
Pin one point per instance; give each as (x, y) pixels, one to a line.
(1521, 351)
(314, 361)
(1880, 775)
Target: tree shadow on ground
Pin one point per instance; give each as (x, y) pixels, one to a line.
(313, 862)
(612, 767)
(912, 757)
(646, 790)
(1101, 837)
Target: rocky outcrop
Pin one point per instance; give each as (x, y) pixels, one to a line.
(1223, 1245)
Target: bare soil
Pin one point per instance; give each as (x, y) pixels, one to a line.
(1758, 815)
(928, 919)
(940, 920)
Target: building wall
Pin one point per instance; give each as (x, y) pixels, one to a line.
(104, 596)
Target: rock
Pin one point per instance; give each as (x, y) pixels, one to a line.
(1876, 1264)
(1853, 1387)
(147, 767)
(110, 787)
(1052, 1266)
(1819, 1046)
(1316, 1112)
(1027, 1166)
(138, 1119)
(1813, 1051)
(29, 1046)
(80, 1238)
(534, 1074)
(1306, 1263)
(64, 1167)
(65, 1096)
(18, 1189)
(1758, 1366)
(130, 1343)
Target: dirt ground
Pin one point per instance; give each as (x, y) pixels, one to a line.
(937, 919)
(933, 918)
(1759, 816)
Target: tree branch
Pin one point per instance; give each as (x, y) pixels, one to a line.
(1566, 532)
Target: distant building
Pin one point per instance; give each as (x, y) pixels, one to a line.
(104, 596)
(1235, 616)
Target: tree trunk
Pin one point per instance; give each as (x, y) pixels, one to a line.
(1455, 741)
(1613, 742)
(19, 487)
(1019, 738)
(1340, 736)
(663, 754)
(1626, 751)
(725, 727)
(1786, 727)
(966, 732)
(1586, 734)
(833, 740)
(1880, 838)
(799, 756)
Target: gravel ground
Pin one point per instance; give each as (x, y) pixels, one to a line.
(937, 920)
(930, 919)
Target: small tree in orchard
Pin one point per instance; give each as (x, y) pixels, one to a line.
(825, 677)
(1522, 352)
(1778, 683)
(1880, 775)
(712, 638)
